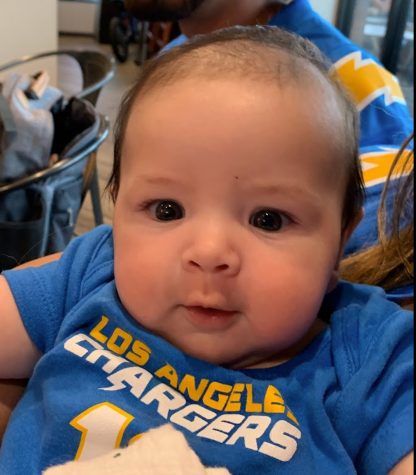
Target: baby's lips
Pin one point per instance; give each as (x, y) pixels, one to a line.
(211, 311)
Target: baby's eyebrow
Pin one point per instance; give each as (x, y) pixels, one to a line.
(289, 190)
(159, 180)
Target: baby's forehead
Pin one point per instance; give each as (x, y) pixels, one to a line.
(230, 99)
(246, 62)
(277, 69)
(238, 61)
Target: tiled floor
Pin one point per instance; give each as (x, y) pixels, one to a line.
(107, 104)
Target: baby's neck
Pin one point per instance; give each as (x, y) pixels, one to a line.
(248, 12)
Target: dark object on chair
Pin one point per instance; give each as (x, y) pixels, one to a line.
(97, 70)
(38, 212)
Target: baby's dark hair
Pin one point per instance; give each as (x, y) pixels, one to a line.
(261, 53)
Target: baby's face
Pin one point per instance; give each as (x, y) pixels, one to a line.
(227, 226)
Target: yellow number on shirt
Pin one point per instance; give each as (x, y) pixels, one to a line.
(102, 427)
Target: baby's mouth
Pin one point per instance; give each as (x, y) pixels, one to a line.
(209, 318)
(211, 312)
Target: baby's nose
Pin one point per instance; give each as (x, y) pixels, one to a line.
(212, 254)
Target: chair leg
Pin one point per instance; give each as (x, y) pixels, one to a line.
(95, 198)
(142, 43)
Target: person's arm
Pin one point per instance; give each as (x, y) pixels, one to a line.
(40, 261)
(405, 466)
(18, 354)
(11, 391)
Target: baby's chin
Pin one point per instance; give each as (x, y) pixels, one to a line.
(233, 360)
(254, 360)
(207, 348)
(204, 351)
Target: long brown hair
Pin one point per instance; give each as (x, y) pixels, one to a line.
(389, 263)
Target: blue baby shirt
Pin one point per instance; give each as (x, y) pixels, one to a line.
(345, 404)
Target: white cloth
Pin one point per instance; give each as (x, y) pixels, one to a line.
(161, 451)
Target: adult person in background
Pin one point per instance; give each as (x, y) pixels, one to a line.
(385, 118)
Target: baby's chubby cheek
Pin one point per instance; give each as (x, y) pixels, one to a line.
(280, 308)
(136, 286)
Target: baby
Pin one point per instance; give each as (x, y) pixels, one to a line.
(213, 302)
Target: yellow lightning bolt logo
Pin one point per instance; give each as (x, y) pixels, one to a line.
(376, 166)
(366, 80)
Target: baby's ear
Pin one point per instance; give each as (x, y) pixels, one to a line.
(346, 234)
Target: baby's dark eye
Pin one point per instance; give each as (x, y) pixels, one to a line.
(166, 210)
(267, 220)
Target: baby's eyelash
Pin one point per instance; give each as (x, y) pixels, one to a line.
(270, 220)
(145, 205)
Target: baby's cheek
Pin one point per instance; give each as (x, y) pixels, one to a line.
(126, 275)
(288, 303)
(138, 284)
